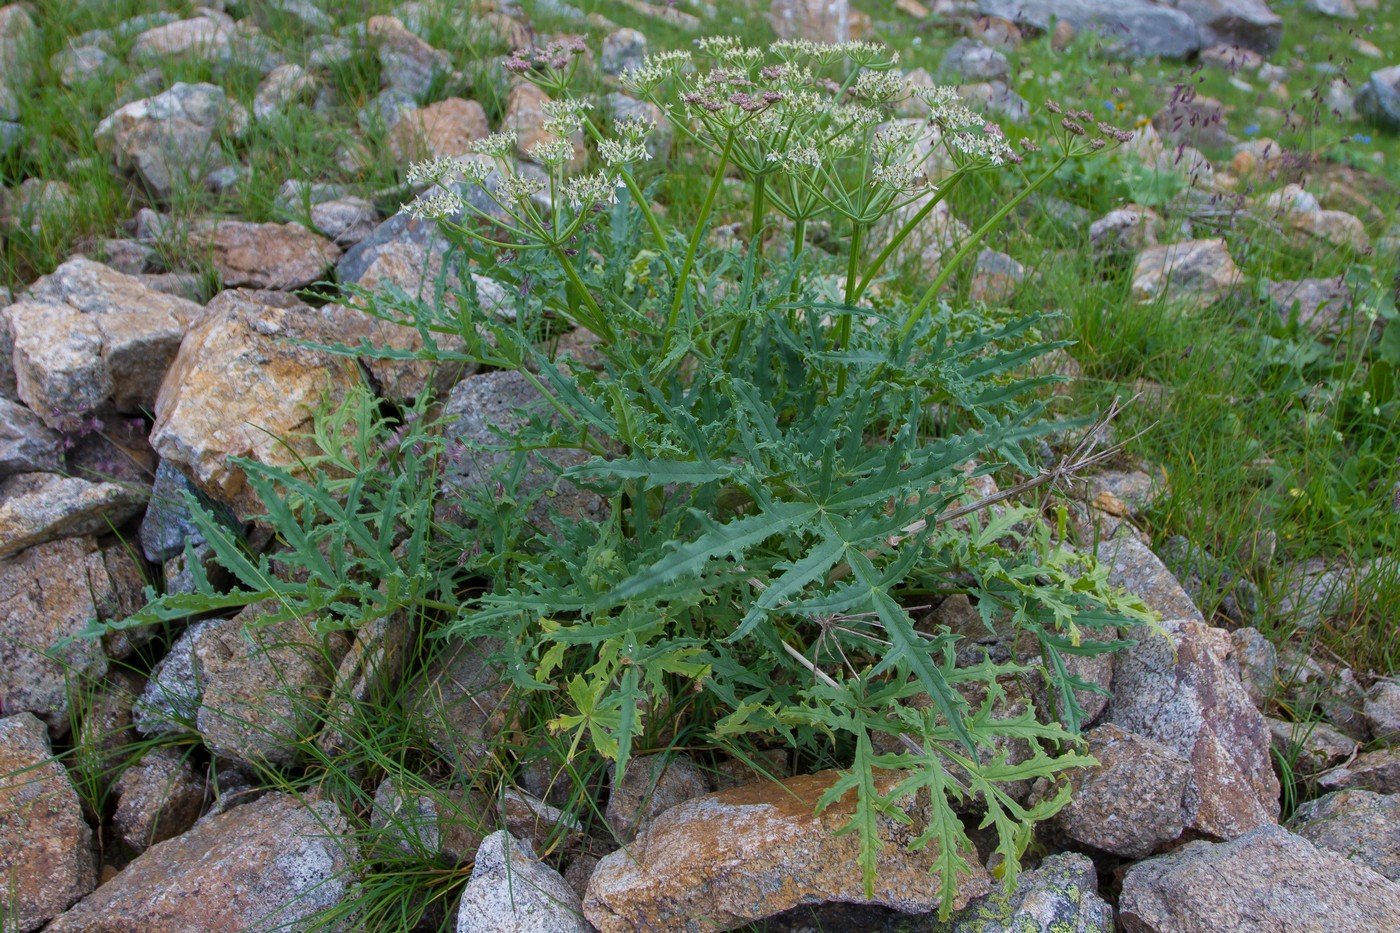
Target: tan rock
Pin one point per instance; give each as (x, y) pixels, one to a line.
(444, 130)
(200, 36)
(1196, 273)
(651, 785)
(45, 846)
(818, 20)
(284, 85)
(722, 860)
(239, 388)
(271, 256)
(269, 864)
(39, 507)
(158, 798)
(525, 115)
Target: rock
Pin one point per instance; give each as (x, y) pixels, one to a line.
(45, 846)
(173, 135)
(1126, 230)
(284, 85)
(105, 734)
(26, 443)
(430, 821)
(1310, 747)
(525, 115)
(1267, 880)
(998, 32)
(1258, 660)
(1249, 24)
(1130, 804)
(1382, 710)
(970, 60)
(1185, 692)
(719, 861)
(1206, 578)
(1059, 896)
(544, 826)
(368, 674)
(1196, 272)
(485, 403)
(36, 508)
(1337, 228)
(311, 17)
(158, 798)
(1130, 28)
(273, 863)
(1378, 100)
(443, 130)
(238, 387)
(280, 257)
(818, 20)
(1323, 306)
(1132, 565)
(462, 701)
(511, 891)
(1192, 120)
(651, 785)
(169, 523)
(1356, 824)
(1377, 771)
(1341, 9)
(261, 684)
(202, 37)
(170, 702)
(345, 221)
(995, 277)
(623, 49)
(1231, 58)
(406, 62)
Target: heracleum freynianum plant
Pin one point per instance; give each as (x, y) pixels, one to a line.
(776, 450)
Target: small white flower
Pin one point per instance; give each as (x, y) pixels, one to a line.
(552, 151)
(433, 170)
(583, 191)
(499, 145)
(438, 205)
(622, 151)
(516, 187)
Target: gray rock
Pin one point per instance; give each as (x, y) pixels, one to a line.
(1126, 230)
(1206, 577)
(284, 85)
(1132, 802)
(368, 674)
(511, 891)
(205, 37)
(170, 702)
(1340, 9)
(1378, 100)
(274, 863)
(818, 20)
(1265, 881)
(26, 443)
(1194, 273)
(1382, 710)
(1249, 24)
(36, 508)
(622, 50)
(400, 228)
(173, 135)
(428, 821)
(1310, 747)
(1135, 28)
(462, 701)
(406, 62)
(104, 738)
(169, 523)
(998, 99)
(385, 111)
(651, 785)
(311, 17)
(158, 798)
(1358, 825)
(345, 221)
(1061, 895)
(45, 845)
(1258, 660)
(1323, 306)
(1132, 565)
(1377, 771)
(970, 60)
(77, 66)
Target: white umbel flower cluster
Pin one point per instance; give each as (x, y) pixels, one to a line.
(438, 204)
(622, 151)
(583, 191)
(497, 145)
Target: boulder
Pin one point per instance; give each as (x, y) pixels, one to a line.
(105, 736)
(1265, 881)
(158, 798)
(1195, 273)
(1382, 710)
(173, 135)
(1126, 230)
(512, 891)
(432, 822)
(169, 703)
(1310, 747)
(720, 861)
(1358, 825)
(279, 257)
(202, 37)
(1130, 28)
(970, 60)
(623, 49)
(274, 863)
(1059, 896)
(1378, 100)
(443, 130)
(284, 85)
(1323, 306)
(45, 845)
(462, 701)
(1249, 24)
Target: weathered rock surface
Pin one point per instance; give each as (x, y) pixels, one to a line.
(651, 785)
(1381, 710)
(27, 445)
(158, 798)
(1377, 771)
(623, 49)
(1133, 566)
(170, 701)
(1265, 881)
(168, 522)
(1126, 230)
(406, 62)
(49, 593)
(722, 860)
(1132, 802)
(239, 388)
(818, 20)
(436, 822)
(45, 845)
(462, 701)
(1356, 824)
(1323, 305)
(1249, 24)
(1378, 100)
(1136, 28)
(445, 130)
(1196, 272)
(273, 863)
(280, 257)
(106, 729)
(1059, 896)
(510, 891)
(198, 37)
(525, 114)
(1310, 747)
(172, 135)
(36, 508)
(284, 85)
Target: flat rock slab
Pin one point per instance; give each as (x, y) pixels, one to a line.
(1356, 824)
(723, 860)
(36, 508)
(45, 845)
(270, 864)
(1263, 882)
(272, 256)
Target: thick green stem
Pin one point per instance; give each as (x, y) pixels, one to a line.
(684, 279)
(599, 323)
(904, 232)
(922, 308)
(760, 204)
(843, 327)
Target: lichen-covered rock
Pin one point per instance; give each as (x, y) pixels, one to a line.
(511, 891)
(720, 861)
(48, 594)
(1184, 691)
(240, 388)
(45, 846)
(158, 798)
(281, 257)
(1059, 896)
(651, 785)
(1263, 882)
(27, 445)
(1356, 824)
(36, 508)
(274, 863)
(173, 135)
(1129, 804)
(1196, 273)
(261, 684)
